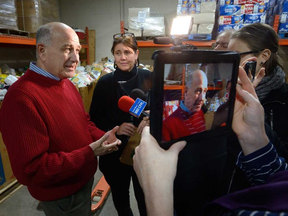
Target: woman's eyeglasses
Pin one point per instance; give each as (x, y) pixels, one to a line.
(121, 35)
(249, 52)
(221, 44)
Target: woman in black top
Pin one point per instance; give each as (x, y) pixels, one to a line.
(105, 114)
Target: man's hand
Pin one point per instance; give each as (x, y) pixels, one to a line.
(106, 144)
(127, 129)
(151, 164)
(248, 120)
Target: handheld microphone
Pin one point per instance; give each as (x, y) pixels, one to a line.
(138, 93)
(163, 40)
(135, 108)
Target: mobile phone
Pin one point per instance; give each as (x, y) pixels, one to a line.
(250, 68)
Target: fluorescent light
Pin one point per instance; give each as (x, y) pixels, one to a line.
(181, 25)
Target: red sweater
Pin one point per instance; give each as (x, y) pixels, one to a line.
(47, 134)
(180, 124)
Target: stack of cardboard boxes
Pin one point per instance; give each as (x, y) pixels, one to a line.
(8, 15)
(34, 13)
(203, 13)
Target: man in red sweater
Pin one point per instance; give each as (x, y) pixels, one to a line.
(51, 142)
(188, 118)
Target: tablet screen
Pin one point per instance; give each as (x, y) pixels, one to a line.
(195, 98)
(193, 94)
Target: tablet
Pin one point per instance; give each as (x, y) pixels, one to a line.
(193, 94)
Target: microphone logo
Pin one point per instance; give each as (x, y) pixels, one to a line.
(137, 108)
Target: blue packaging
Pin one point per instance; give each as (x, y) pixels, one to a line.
(226, 2)
(255, 18)
(237, 19)
(283, 27)
(284, 17)
(285, 7)
(227, 10)
(195, 8)
(230, 26)
(259, 8)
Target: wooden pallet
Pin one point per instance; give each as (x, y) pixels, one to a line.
(14, 32)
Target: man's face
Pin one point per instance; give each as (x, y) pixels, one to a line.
(195, 96)
(62, 56)
(222, 42)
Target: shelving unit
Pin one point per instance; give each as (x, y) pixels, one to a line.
(14, 40)
(146, 44)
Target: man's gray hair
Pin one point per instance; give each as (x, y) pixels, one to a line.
(190, 76)
(44, 36)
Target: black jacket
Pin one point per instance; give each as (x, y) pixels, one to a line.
(104, 111)
(276, 116)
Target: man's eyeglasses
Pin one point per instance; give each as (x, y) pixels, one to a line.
(121, 35)
(221, 44)
(249, 52)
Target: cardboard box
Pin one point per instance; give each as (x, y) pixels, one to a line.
(50, 11)
(6, 173)
(283, 27)
(205, 28)
(231, 26)
(208, 7)
(225, 20)
(239, 2)
(195, 8)
(30, 24)
(237, 19)
(255, 18)
(249, 8)
(28, 8)
(228, 10)
(8, 15)
(203, 18)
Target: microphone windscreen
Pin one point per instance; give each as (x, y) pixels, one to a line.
(138, 93)
(125, 103)
(163, 40)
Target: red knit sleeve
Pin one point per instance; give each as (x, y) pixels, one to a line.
(95, 132)
(26, 138)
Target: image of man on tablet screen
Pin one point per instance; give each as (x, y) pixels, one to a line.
(188, 118)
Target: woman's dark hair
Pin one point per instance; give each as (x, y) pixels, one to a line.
(128, 41)
(259, 37)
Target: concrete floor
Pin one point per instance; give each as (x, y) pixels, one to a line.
(21, 203)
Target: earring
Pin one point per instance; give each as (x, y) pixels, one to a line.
(262, 63)
(115, 65)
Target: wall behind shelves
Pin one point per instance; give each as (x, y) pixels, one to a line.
(104, 17)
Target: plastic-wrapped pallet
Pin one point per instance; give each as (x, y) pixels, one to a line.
(8, 15)
(50, 11)
(153, 26)
(29, 15)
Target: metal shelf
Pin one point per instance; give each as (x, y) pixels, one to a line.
(282, 42)
(11, 40)
(195, 43)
